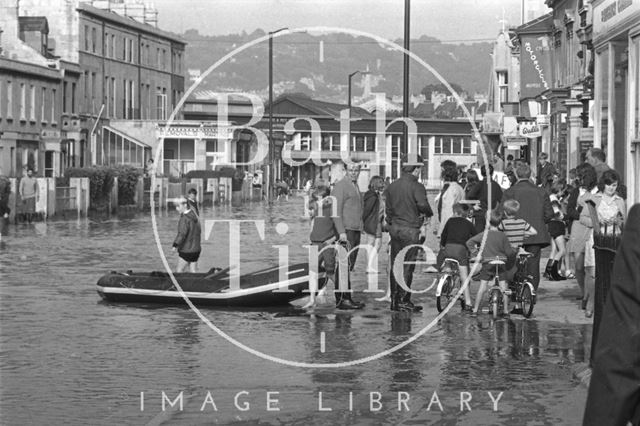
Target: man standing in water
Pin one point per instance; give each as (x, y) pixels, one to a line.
(348, 222)
(187, 242)
(407, 209)
(28, 191)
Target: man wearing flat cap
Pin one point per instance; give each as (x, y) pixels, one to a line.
(407, 209)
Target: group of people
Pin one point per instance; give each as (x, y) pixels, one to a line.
(399, 208)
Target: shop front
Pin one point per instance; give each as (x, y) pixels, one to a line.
(616, 38)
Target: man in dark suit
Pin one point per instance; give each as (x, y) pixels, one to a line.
(614, 390)
(544, 178)
(535, 208)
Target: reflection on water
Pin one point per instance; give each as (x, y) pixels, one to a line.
(68, 357)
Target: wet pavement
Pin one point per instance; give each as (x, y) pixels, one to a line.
(70, 358)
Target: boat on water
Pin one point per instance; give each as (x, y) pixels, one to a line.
(267, 287)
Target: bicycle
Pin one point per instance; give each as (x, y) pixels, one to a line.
(522, 290)
(449, 284)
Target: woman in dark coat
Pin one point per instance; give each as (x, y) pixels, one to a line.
(614, 390)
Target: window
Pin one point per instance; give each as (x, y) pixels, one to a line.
(73, 98)
(94, 40)
(131, 50)
(503, 86)
(113, 97)
(132, 101)
(107, 96)
(64, 97)
(124, 49)
(107, 45)
(53, 106)
(9, 100)
(86, 38)
(43, 114)
(85, 77)
(164, 59)
(161, 104)
(113, 46)
(93, 88)
(125, 99)
(452, 145)
(23, 101)
(466, 145)
(325, 144)
(305, 141)
(32, 103)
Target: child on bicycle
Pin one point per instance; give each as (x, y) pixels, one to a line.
(497, 246)
(457, 231)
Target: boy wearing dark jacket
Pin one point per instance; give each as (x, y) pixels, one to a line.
(187, 242)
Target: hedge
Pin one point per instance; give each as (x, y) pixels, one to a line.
(101, 183)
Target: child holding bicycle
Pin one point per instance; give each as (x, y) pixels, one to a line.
(323, 231)
(455, 234)
(497, 246)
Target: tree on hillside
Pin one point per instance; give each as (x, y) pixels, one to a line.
(439, 87)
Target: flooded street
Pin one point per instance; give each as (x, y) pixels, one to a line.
(70, 358)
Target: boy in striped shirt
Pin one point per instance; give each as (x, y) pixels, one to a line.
(516, 230)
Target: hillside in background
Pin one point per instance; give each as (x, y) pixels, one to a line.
(319, 64)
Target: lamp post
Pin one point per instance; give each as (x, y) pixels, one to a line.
(405, 89)
(270, 167)
(349, 104)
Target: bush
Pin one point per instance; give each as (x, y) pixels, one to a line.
(127, 181)
(100, 183)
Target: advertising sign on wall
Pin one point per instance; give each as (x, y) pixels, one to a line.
(535, 65)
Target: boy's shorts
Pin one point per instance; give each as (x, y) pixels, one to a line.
(454, 251)
(326, 256)
(505, 272)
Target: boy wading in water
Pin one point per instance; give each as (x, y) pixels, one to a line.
(187, 242)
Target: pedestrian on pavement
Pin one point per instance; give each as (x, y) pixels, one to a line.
(372, 217)
(536, 209)
(29, 194)
(349, 224)
(187, 242)
(544, 177)
(451, 194)
(614, 390)
(498, 162)
(579, 231)
(609, 209)
(598, 159)
(557, 229)
(407, 210)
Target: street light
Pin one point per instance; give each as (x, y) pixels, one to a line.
(270, 168)
(349, 104)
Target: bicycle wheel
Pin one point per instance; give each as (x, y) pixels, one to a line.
(495, 303)
(445, 294)
(526, 298)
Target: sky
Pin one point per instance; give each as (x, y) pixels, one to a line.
(447, 20)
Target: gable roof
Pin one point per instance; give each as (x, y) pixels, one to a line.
(539, 25)
(291, 104)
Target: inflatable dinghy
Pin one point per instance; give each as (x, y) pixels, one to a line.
(267, 287)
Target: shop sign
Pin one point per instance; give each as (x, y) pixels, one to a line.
(542, 119)
(208, 132)
(530, 130)
(535, 65)
(610, 13)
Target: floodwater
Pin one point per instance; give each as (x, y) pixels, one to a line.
(69, 358)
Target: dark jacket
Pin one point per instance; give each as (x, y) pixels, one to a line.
(188, 238)
(483, 195)
(614, 390)
(535, 208)
(371, 212)
(406, 202)
(193, 205)
(324, 224)
(545, 175)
